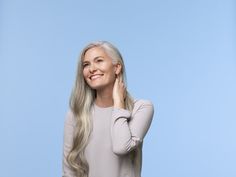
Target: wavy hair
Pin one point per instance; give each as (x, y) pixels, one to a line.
(81, 101)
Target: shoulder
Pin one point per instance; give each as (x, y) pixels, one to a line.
(139, 102)
(143, 104)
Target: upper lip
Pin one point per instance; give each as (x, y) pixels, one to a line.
(94, 75)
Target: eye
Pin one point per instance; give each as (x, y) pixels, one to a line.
(99, 60)
(85, 65)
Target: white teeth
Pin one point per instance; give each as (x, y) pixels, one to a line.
(95, 77)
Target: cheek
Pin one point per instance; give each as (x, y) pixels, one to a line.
(85, 73)
(112, 75)
(111, 69)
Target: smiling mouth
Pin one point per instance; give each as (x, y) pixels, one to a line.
(93, 77)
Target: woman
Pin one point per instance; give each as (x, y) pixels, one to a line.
(104, 127)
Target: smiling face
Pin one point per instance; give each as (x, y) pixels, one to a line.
(98, 69)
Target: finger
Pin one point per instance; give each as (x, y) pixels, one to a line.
(117, 77)
(116, 81)
(120, 78)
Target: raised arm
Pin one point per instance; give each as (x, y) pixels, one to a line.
(128, 129)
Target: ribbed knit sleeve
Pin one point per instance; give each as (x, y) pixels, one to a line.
(128, 129)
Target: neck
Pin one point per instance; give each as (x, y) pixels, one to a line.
(104, 98)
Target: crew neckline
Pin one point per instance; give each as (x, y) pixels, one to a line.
(99, 107)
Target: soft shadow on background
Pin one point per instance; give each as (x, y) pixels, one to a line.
(179, 54)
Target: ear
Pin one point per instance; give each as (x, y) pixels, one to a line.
(118, 68)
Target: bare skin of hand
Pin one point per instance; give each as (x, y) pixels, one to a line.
(119, 93)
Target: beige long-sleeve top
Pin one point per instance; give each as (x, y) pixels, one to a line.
(115, 133)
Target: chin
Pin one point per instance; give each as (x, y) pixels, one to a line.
(99, 87)
(96, 87)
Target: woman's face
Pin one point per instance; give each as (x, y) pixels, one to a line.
(98, 70)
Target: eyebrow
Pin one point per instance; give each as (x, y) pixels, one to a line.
(85, 61)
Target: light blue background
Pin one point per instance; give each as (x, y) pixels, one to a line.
(179, 54)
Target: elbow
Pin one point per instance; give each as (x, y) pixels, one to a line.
(125, 147)
(119, 150)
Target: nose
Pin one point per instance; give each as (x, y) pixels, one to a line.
(92, 68)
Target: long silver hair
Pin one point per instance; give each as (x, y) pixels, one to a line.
(81, 101)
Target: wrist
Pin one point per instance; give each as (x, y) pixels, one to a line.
(119, 104)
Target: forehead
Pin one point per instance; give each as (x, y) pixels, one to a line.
(93, 53)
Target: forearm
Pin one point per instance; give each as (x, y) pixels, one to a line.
(128, 129)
